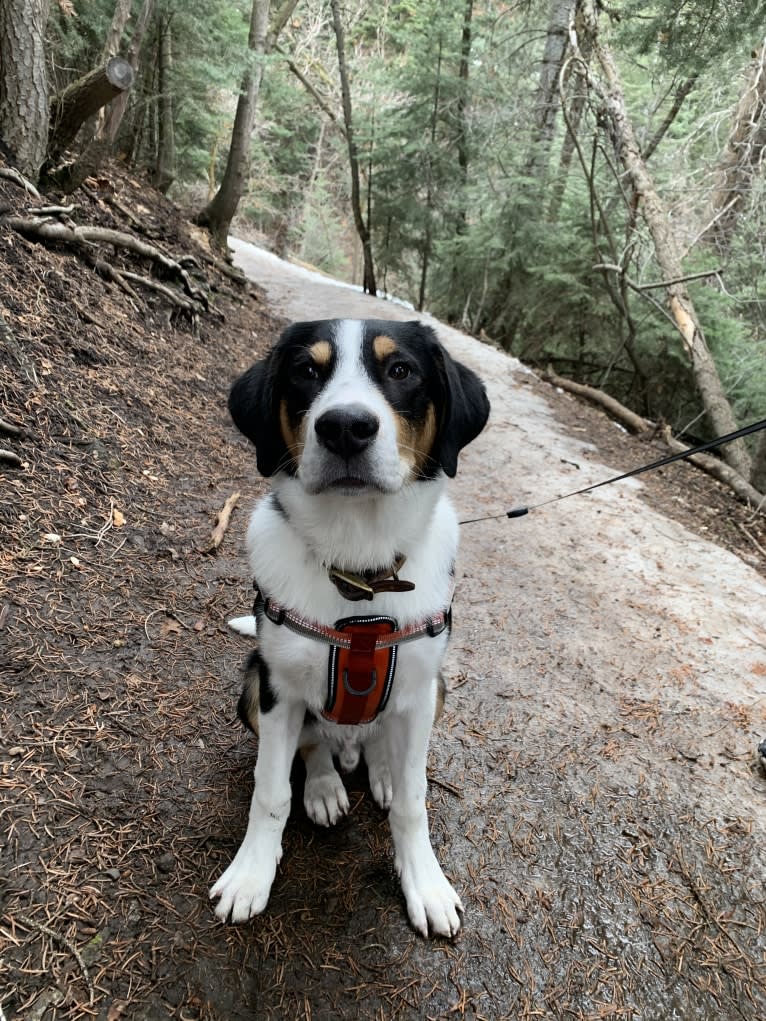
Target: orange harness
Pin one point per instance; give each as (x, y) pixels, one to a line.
(362, 657)
(359, 679)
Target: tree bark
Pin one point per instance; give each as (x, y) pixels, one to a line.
(23, 82)
(741, 162)
(117, 109)
(165, 170)
(219, 212)
(116, 31)
(547, 98)
(667, 251)
(82, 99)
(362, 228)
(758, 477)
(573, 118)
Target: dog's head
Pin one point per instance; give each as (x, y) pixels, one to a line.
(351, 405)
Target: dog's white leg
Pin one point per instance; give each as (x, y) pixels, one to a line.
(376, 757)
(324, 795)
(245, 885)
(431, 901)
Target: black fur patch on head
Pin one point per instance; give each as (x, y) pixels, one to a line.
(269, 401)
(416, 373)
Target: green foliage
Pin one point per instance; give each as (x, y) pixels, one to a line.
(687, 35)
(459, 180)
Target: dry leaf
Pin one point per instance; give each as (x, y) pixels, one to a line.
(118, 518)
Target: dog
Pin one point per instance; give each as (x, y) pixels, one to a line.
(357, 423)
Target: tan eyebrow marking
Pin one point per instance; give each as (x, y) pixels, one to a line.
(321, 352)
(383, 346)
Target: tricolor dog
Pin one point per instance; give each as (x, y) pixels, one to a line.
(357, 423)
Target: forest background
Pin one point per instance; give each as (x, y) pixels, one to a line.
(581, 184)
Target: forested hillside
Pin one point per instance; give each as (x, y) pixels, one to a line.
(578, 183)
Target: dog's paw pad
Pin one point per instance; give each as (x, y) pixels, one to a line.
(325, 799)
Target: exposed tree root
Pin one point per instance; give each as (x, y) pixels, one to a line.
(636, 424)
(47, 230)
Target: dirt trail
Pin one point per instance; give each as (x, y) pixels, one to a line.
(603, 812)
(593, 791)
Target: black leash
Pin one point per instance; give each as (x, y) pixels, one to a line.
(519, 512)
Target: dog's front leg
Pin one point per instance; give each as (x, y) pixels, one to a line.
(245, 885)
(431, 901)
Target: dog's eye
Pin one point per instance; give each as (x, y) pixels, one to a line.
(307, 370)
(399, 370)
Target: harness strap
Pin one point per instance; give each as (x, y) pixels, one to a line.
(278, 614)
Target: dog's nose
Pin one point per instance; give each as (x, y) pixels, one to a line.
(346, 431)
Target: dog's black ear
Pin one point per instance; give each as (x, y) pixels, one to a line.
(465, 410)
(252, 406)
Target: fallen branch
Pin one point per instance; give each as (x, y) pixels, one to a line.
(10, 458)
(752, 539)
(634, 423)
(47, 230)
(82, 99)
(9, 428)
(31, 923)
(52, 210)
(222, 521)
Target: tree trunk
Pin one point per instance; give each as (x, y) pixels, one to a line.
(462, 109)
(219, 212)
(573, 118)
(759, 465)
(547, 98)
(667, 251)
(741, 161)
(682, 92)
(82, 99)
(116, 31)
(165, 170)
(23, 82)
(362, 229)
(428, 235)
(116, 111)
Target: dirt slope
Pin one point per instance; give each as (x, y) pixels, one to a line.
(593, 791)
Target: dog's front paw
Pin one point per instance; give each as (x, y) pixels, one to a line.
(325, 798)
(243, 889)
(431, 901)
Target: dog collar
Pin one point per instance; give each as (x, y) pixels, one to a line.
(362, 656)
(365, 586)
